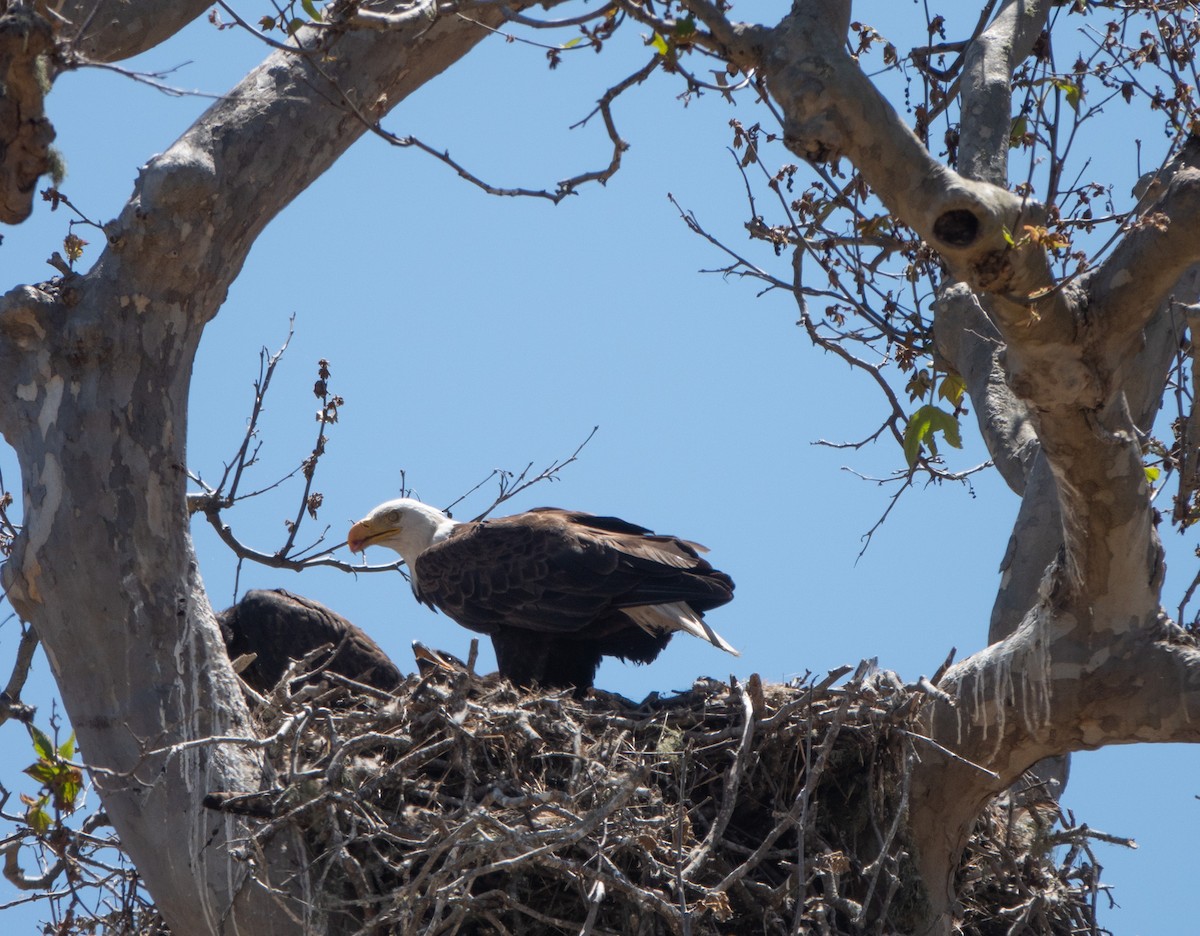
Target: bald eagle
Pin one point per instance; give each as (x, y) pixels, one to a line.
(556, 590)
(278, 627)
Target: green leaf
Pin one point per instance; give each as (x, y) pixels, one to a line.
(311, 9)
(1008, 238)
(686, 27)
(1072, 93)
(1152, 474)
(1016, 134)
(41, 744)
(914, 432)
(38, 819)
(947, 425)
(66, 796)
(66, 750)
(66, 789)
(660, 45)
(952, 389)
(42, 772)
(920, 430)
(574, 42)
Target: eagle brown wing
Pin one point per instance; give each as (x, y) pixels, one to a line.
(563, 572)
(278, 627)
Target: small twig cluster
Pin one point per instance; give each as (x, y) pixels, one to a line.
(73, 244)
(8, 529)
(1010, 881)
(509, 483)
(11, 705)
(865, 285)
(680, 33)
(462, 805)
(214, 499)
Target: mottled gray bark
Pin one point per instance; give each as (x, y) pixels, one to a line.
(94, 378)
(112, 30)
(1091, 661)
(37, 42)
(986, 87)
(969, 341)
(26, 41)
(963, 328)
(967, 338)
(1037, 533)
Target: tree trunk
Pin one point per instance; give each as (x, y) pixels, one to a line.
(97, 370)
(1087, 656)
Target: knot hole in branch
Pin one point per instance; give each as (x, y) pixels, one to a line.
(957, 228)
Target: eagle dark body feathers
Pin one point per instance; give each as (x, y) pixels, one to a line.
(279, 627)
(558, 590)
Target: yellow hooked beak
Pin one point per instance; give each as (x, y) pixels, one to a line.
(363, 533)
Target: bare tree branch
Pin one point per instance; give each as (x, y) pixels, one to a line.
(1139, 274)
(11, 705)
(26, 40)
(986, 88)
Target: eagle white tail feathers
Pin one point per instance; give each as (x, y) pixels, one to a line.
(677, 616)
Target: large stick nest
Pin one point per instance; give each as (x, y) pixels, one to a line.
(460, 805)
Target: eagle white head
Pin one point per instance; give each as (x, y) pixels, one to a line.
(405, 525)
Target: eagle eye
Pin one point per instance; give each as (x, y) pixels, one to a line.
(393, 516)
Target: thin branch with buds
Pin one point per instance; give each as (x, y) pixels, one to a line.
(511, 486)
(213, 500)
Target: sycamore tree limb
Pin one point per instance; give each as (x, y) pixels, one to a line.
(1037, 532)
(112, 30)
(11, 705)
(1189, 469)
(1097, 622)
(962, 327)
(1144, 267)
(1063, 676)
(36, 43)
(970, 343)
(986, 87)
(95, 373)
(26, 40)
(831, 110)
(1074, 383)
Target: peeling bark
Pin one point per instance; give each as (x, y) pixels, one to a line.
(95, 376)
(26, 42)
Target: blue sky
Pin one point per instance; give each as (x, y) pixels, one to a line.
(468, 332)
